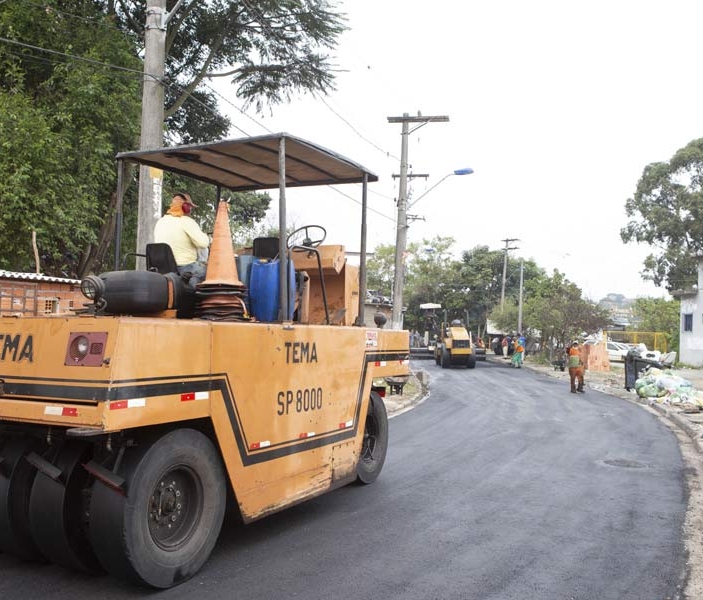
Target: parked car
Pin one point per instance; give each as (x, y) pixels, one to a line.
(617, 351)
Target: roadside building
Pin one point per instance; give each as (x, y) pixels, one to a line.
(691, 323)
(31, 294)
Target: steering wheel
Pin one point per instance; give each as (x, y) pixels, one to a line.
(309, 236)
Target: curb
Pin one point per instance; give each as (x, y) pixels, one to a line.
(398, 404)
(676, 418)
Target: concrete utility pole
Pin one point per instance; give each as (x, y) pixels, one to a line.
(152, 130)
(150, 179)
(519, 311)
(505, 266)
(402, 224)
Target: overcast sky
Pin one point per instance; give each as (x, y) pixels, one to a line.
(557, 106)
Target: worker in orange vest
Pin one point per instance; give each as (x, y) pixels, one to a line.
(576, 368)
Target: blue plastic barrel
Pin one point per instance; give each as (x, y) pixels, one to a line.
(244, 262)
(264, 289)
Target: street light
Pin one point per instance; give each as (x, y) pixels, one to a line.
(400, 243)
(464, 171)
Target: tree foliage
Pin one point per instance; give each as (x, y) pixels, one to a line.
(432, 275)
(661, 315)
(70, 92)
(666, 212)
(380, 267)
(268, 49)
(482, 272)
(554, 309)
(61, 122)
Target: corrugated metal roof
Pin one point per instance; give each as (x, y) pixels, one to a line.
(253, 163)
(36, 277)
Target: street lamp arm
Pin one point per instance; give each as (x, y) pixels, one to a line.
(465, 171)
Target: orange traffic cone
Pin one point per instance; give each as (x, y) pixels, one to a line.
(221, 266)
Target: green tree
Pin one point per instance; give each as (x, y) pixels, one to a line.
(432, 275)
(555, 311)
(660, 315)
(61, 122)
(482, 273)
(380, 269)
(666, 212)
(67, 110)
(268, 49)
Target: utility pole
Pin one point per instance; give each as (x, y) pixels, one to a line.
(505, 266)
(150, 179)
(402, 224)
(519, 310)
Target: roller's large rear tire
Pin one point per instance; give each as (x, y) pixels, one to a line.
(58, 509)
(471, 362)
(16, 478)
(375, 444)
(163, 529)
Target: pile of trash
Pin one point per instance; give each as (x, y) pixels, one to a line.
(666, 386)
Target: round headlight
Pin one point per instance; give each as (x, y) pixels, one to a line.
(92, 287)
(79, 348)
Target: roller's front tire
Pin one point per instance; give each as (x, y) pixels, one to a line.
(375, 443)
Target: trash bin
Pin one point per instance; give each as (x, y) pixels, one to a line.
(634, 365)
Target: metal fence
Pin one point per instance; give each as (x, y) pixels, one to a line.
(654, 340)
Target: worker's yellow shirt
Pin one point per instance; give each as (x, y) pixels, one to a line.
(184, 236)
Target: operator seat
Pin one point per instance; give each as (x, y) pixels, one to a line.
(265, 247)
(159, 258)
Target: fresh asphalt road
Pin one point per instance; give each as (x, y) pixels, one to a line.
(501, 485)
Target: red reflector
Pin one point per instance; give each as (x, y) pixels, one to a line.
(187, 397)
(69, 411)
(255, 446)
(119, 404)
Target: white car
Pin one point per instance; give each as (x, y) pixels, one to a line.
(617, 351)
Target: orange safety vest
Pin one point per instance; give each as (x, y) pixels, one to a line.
(574, 354)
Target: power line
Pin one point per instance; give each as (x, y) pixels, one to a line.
(237, 108)
(48, 9)
(264, 25)
(181, 89)
(359, 203)
(346, 122)
(74, 57)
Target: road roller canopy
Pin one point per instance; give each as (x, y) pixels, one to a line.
(253, 163)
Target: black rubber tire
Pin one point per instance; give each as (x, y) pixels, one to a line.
(436, 357)
(446, 359)
(58, 509)
(471, 362)
(375, 443)
(16, 480)
(164, 528)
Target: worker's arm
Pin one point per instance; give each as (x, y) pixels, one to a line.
(199, 238)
